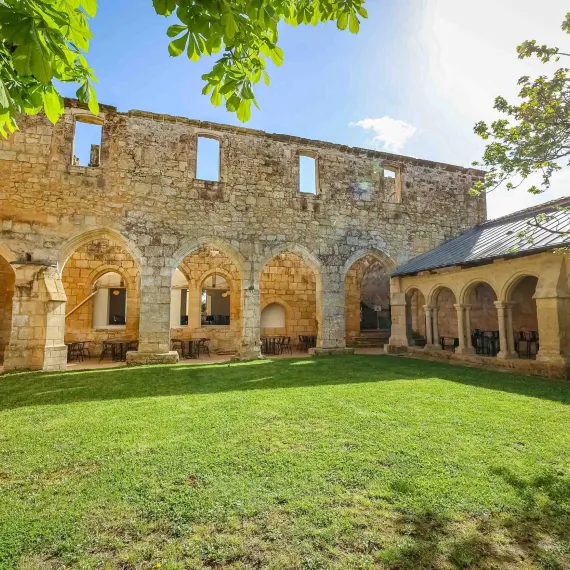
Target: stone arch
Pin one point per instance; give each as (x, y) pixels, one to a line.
(83, 238)
(198, 259)
(415, 315)
(510, 285)
(442, 298)
(384, 258)
(190, 245)
(7, 254)
(293, 274)
(520, 294)
(80, 267)
(467, 289)
(367, 296)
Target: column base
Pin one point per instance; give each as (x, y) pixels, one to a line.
(135, 358)
(465, 350)
(507, 355)
(316, 351)
(395, 349)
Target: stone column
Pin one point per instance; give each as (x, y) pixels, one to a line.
(465, 346)
(400, 332)
(429, 326)
(154, 323)
(435, 329)
(38, 320)
(511, 331)
(553, 312)
(251, 320)
(468, 340)
(331, 337)
(505, 352)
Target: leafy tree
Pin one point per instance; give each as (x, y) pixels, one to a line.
(42, 41)
(532, 135)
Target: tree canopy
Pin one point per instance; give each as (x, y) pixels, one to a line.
(43, 42)
(533, 134)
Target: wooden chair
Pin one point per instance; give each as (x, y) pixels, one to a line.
(202, 347)
(106, 350)
(178, 346)
(285, 345)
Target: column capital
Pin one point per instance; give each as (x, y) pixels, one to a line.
(459, 306)
(500, 304)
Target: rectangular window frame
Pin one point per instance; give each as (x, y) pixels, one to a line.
(308, 154)
(89, 120)
(219, 141)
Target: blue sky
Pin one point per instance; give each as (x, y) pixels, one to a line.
(414, 80)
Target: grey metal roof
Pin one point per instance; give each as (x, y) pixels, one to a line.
(499, 238)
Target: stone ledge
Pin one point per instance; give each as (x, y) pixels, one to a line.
(330, 351)
(135, 358)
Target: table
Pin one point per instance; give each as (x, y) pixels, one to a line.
(119, 348)
(453, 344)
(269, 344)
(187, 347)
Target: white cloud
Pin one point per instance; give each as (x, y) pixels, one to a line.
(391, 134)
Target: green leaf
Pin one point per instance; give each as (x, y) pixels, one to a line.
(342, 21)
(164, 7)
(244, 111)
(90, 7)
(53, 103)
(174, 30)
(230, 27)
(177, 47)
(216, 98)
(93, 103)
(266, 78)
(277, 56)
(4, 97)
(354, 24)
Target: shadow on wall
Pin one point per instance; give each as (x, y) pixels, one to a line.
(40, 389)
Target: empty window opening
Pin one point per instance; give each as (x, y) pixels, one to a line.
(110, 301)
(208, 159)
(215, 301)
(307, 174)
(87, 143)
(389, 174)
(391, 182)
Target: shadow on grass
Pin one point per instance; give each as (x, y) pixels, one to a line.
(535, 535)
(36, 389)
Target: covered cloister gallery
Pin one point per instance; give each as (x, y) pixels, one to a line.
(98, 284)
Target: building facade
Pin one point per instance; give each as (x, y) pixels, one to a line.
(246, 241)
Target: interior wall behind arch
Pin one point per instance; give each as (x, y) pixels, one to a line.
(288, 278)
(446, 314)
(483, 311)
(6, 295)
(524, 306)
(85, 263)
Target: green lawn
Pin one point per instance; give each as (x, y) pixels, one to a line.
(349, 462)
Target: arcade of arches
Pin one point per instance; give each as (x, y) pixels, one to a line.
(512, 313)
(97, 294)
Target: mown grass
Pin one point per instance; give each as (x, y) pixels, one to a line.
(349, 462)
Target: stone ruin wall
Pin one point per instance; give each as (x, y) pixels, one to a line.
(144, 191)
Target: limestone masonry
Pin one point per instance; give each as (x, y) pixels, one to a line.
(138, 210)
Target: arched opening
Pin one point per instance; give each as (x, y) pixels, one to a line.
(101, 281)
(367, 301)
(484, 321)
(206, 301)
(416, 317)
(445, 319)
(273, 320)
(291, 281)
(524, 316)
(7, 278)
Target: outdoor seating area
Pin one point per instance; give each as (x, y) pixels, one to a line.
(191, 348)
(485, 343)
(114, 350)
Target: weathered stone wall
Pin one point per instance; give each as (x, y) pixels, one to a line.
(289, 281)
(446, 314)
(524, 305)
(145, 192)
(80, 274)
(197, 267)
(6, 294)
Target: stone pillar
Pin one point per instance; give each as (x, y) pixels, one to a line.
(331, 338)
(154, 323)
(429, 326)
(400, 332)
(465, 346)
(251, 320)
(38, 320)
(435, 328)
(553, 312)
(511, 331)
(468, 339)
(505, 352)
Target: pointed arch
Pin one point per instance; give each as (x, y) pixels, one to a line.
(378, 254)
(83, 238)
(190, 245)
(304, 253)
